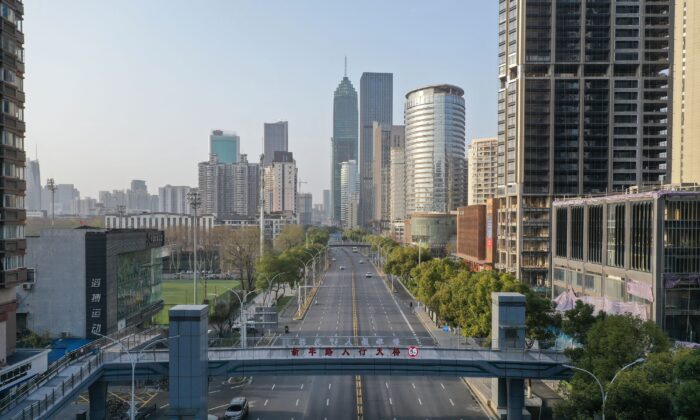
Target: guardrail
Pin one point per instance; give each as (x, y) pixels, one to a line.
(37, 408)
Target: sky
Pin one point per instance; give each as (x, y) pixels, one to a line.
(131, 89)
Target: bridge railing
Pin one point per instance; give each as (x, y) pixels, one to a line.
(37, 408)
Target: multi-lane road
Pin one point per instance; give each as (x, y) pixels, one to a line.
(377, 313)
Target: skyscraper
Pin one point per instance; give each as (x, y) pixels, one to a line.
(385, 138)
(229, 190)
(376, 91)
(397, 176)
(225, 145)
(327, 210)
(304, 208)
(281, 184)
(33, 175)
(435, 160)
(173, 199)
(275, 139)
(686, 92)
(12, 159)
(344, 141)
(350, 194)
(481, 179)
(582, 109)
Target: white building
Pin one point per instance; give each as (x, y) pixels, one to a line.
(281, 184)
(349, 194)
(162, 221)
(273, 223)
(173, 199)
(482, 178)
(229, 190)
(397, 180)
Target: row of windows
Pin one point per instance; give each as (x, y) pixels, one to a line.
(12, 109)
(10, 15)
(11, 262)
(12, 232)
(11, 170)
(11, 139)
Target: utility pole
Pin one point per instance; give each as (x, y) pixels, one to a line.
(51, 185)
(121, 211)
(196, 201)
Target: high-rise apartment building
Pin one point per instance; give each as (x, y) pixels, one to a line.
(304, 209)
(281, 184)
(481, 179)
(376, 105)
(327, 209)
(33, 174)
(13, 158)
(582, 109)
(685, 166)
(435, 146)
(397, 175)
(275, 139)
(385, 139)
(229, 190)
(350, 194)
(344, 141)
(225, 145)
(173, 199)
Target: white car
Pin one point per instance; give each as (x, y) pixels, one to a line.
(362, 262)
(342, 267)
(368, 274)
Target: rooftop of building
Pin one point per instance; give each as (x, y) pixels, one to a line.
(633, 193)
(439, 88)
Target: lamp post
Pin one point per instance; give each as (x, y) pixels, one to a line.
(195, 200)
(51, 185)
(306, 270)
(244, 321)
(269, 285)
(603, 393)
(121, 211)
(133, 359)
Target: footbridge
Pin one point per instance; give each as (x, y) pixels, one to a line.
(189, 363)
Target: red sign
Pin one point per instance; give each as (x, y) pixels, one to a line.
(412, 352)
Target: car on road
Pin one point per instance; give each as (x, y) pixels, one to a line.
(368, 274)
(237, 409)
(362, 261)
(354, 249)
(342, 267)
(333, 259)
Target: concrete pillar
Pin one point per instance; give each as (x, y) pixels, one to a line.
(97, 392)
(516, 399)
(188, 381)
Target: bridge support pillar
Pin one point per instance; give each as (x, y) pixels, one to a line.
(97, 393)
(516, 399)
(188, 381)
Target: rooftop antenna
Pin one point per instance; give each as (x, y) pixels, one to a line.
(346, 66)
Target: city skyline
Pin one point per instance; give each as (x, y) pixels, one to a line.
(162, 126)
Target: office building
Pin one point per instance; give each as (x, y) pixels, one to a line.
(275, 139)
(376, 105)
(350, 194)
(304, 209)
(344, 141)
(229, 190)
(13, 158)
(138, 198)
(385, 140)
(281, 184)
(225, 145)
(582, 109)
(475, 241)
(685, 167)
(634, 252)
(327, 208)
(113, 277)
(435, 146)
(435, 231)
(33, 174)
(173, 199)
(481, 169)
(397, 175)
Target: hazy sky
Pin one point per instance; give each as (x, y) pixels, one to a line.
(131, 89)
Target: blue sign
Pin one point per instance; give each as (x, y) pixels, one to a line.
(446, 328)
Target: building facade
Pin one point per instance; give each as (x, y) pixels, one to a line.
(381, 171)
(113, 277)
(475, 230)
(397, 175)
(225, 145)
(327, 209)
(13, 158)
(583, 108)
(275, 139)
(482, 169)
(435, 149)
(281, 184)
(344, 140)
(435, 231)
(350, 194)
(274, 223)
(161, 221)
(33, 173)
(376, 106)
(173, 199)
(637, 252)
(229, 190)
(686, 93)
(305, 209)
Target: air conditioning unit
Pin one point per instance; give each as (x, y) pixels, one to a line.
(28, 286)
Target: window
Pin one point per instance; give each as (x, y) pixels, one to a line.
(11, 170)
(11, 262)
(12, 109)
(616, 235)
(577, 233)
(12, 232)
(682, 235)
(595, 233)
(562, 226)
(614, 288)
(640, 255)
(13, 201)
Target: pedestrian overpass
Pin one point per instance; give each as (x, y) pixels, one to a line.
(347, 244)
(188, 364)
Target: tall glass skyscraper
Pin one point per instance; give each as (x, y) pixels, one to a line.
(275, 139)
(435, 147)
(226, 146)
(376, 90)
(344, 141)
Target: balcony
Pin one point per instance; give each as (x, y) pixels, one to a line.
(13, 245)
(12, 278)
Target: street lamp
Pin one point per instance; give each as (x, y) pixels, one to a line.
(51, 185)
(269, 284)
(133, 360)
(306, 270)
(603, 394)
(195, 200)
(244, 321)
(121, 211)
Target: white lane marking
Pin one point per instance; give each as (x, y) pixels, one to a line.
(451, 402)
(266, 401)
(328, 402)
(214, 408)
(329, 386)
(420, 402)
(297, 404)
(414, 385)
(165, 405)
(443, 386)
(273, 387)
(214, 392)
(302, 386)
(386, 384)
(390, 402)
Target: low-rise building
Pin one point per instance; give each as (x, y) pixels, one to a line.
(475, 241)
(637, 252)
(161, 221)
(90, 281)
(274, 223)
(436, 231)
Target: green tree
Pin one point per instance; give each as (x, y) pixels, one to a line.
(402, 260)
(290, 236)
(219, 316)
(579, 320)
(240, 249)
(686, 397)
(317, 236)
(429, 278)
